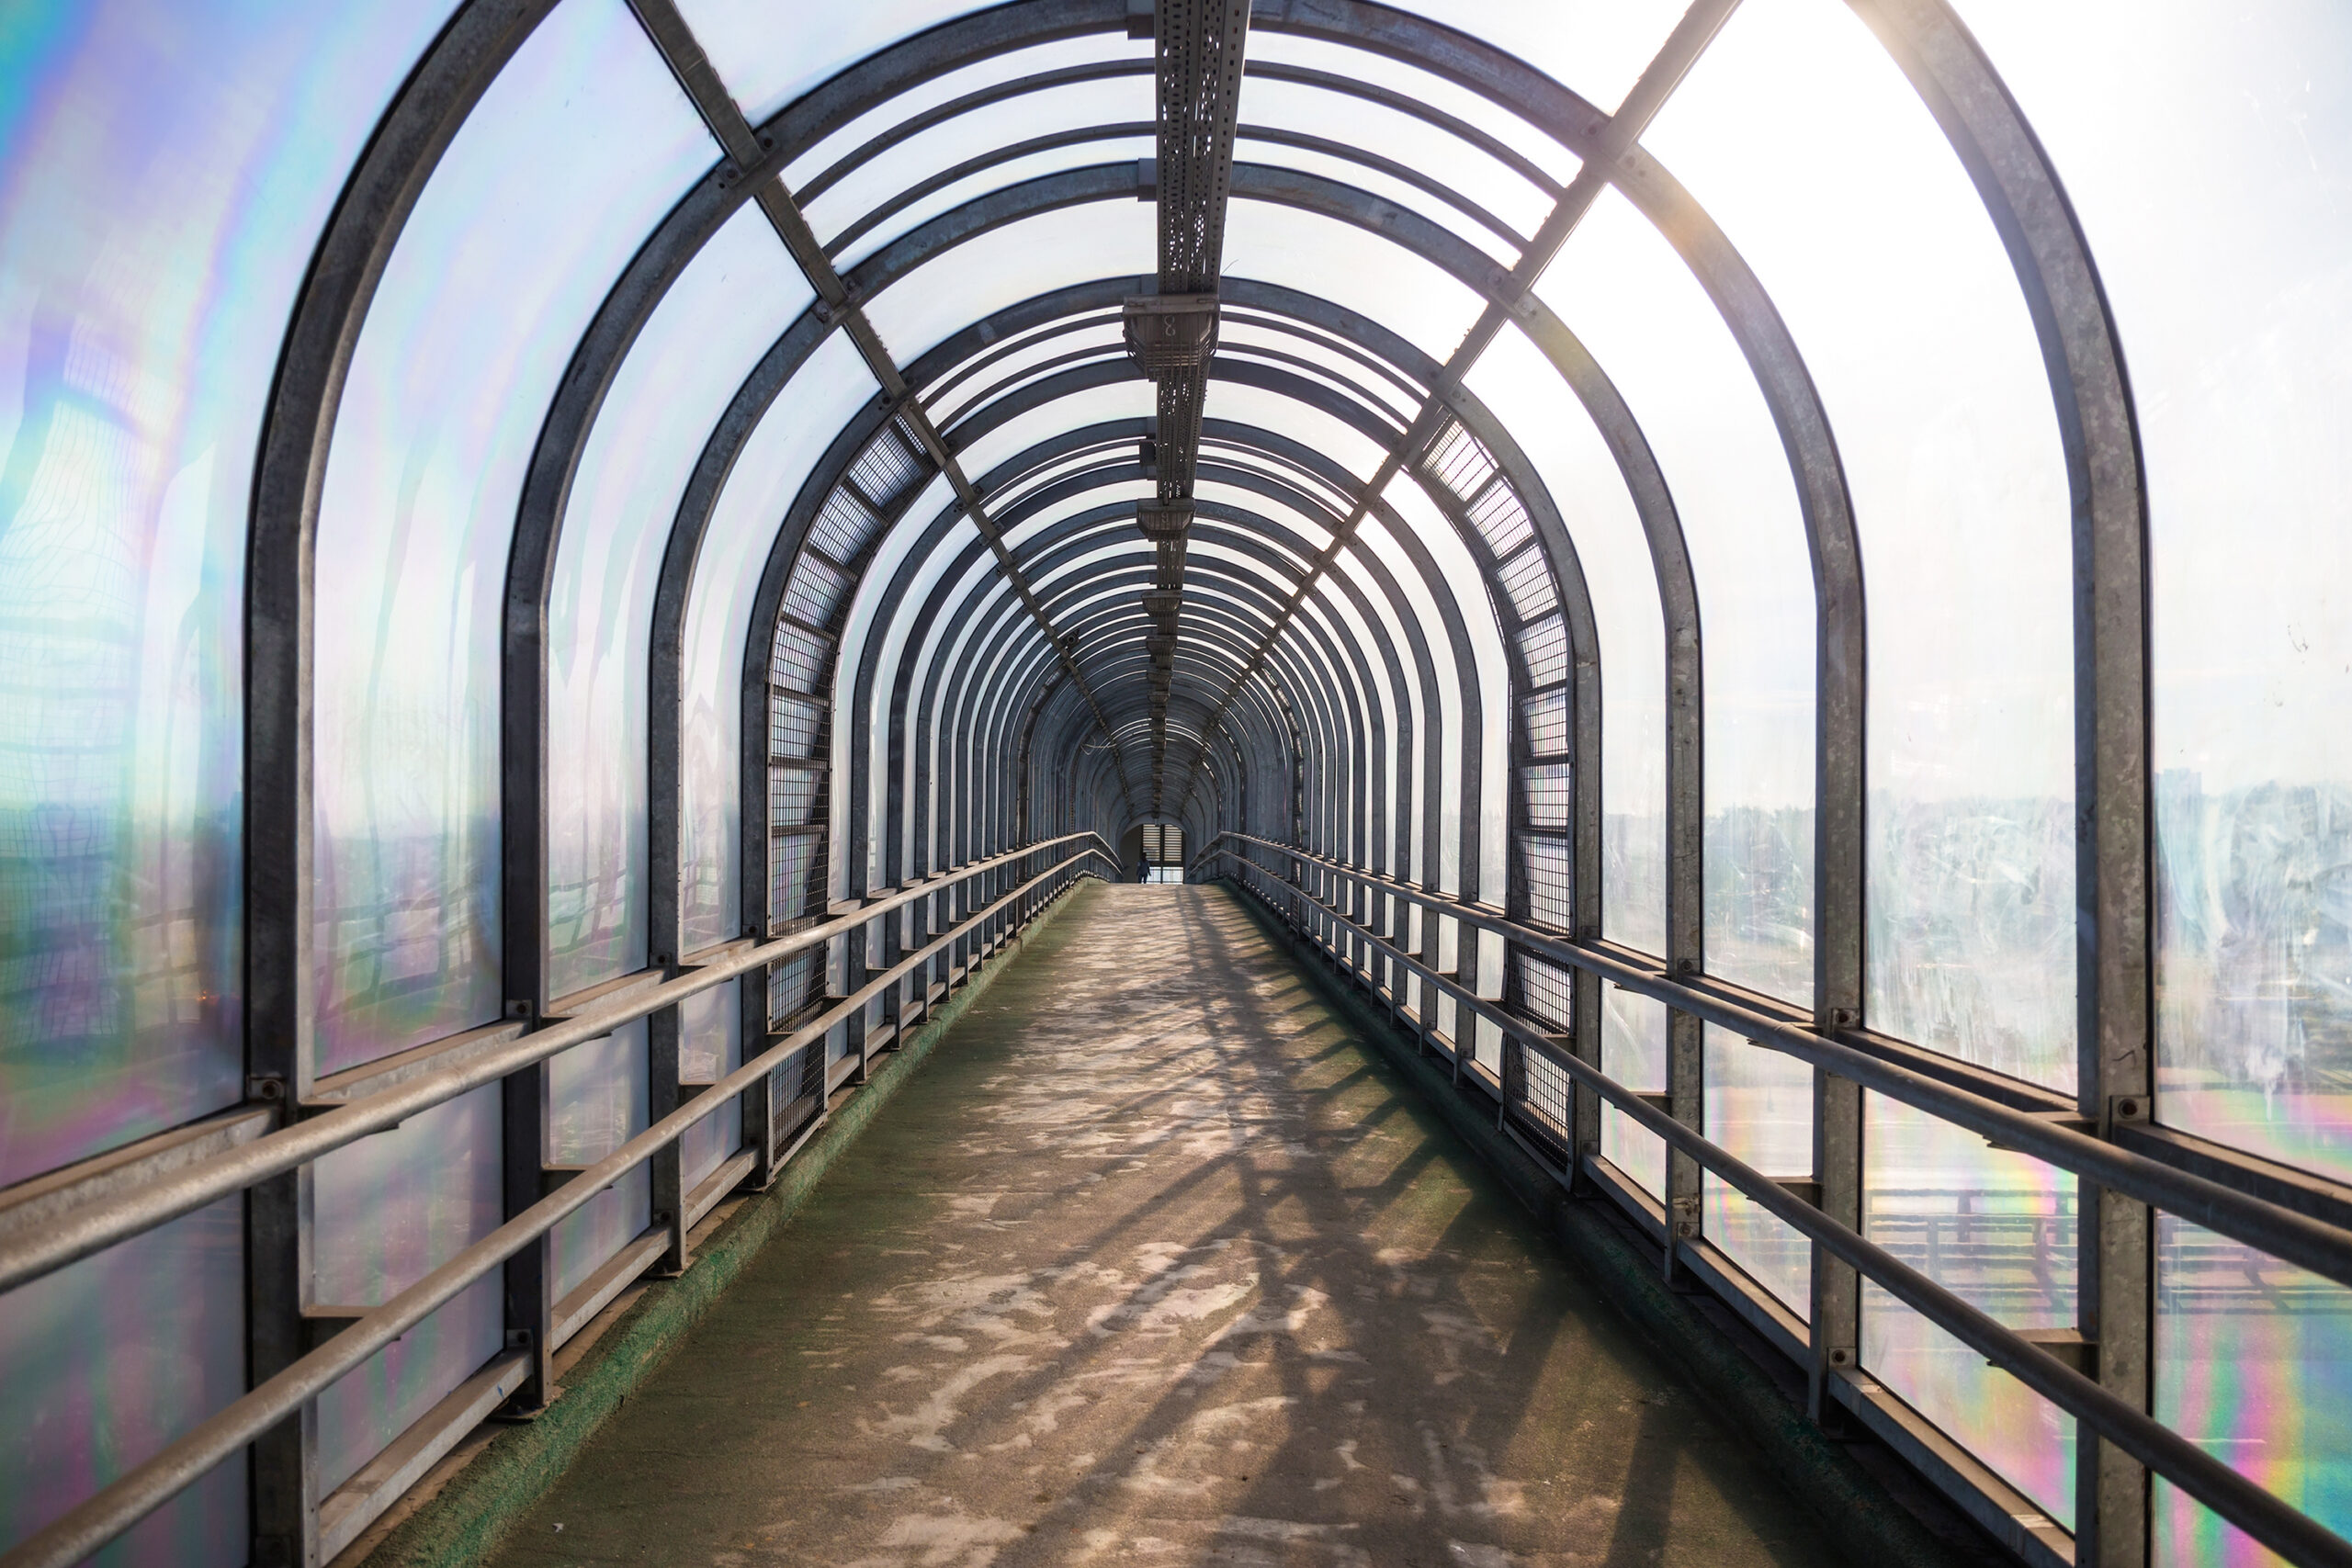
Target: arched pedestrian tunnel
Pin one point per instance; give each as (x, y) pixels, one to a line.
(1729, 617)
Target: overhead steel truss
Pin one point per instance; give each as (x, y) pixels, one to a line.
(1305, 662)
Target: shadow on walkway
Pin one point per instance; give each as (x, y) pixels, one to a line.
(1156, 1263)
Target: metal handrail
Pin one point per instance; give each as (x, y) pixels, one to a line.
(2244, 1504)
(2299, 1239)
(94, 1227)
(123, 1503)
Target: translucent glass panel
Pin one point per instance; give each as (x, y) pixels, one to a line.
(984, 378)
(769, 54)
(1998, 1230)
(385, 1211)
(832, 387)
(2221, 238)
(1350, 267)
(535, 210)
(1095, 405)
(1238, 334)
(886, 645)
(1268, 46)
(859, 197)
(1584, 483)
(597, 1102)
(1597, 47)
(1435, 864)
(163, 174)
(1006, 265)
(1323, 433)
(1759, 1107)
(720, 316)
(1632, 1051)
(1885, 263)
(1460, 575)
(1622, 289)
(2254, 1364)
(1403, 766)
(1504, 193)
(107, 1361)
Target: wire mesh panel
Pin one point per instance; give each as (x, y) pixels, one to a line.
(1496, 521)
(848, 526)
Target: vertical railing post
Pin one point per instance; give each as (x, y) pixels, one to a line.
(283, 1485)
(665, 1174)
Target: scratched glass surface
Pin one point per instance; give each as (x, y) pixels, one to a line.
(1961, 506)
(2221, 240)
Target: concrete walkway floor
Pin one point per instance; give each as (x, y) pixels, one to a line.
(1154, 1262)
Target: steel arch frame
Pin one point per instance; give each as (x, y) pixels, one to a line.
(2098, 436)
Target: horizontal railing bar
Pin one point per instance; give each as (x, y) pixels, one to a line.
(2293, 1237)
(93, 1227)
(1980, 1492)
(118, 1507)
(41, 1200)
(385, 1072)
(2330, 1202)
(613, 1276)
(2260, 1514)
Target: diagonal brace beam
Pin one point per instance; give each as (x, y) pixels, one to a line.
(744, 147)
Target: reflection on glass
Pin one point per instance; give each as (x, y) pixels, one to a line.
(2254, 1364)
(2222, 239)
(1998, 1230)
(385, 1211)
(164, 171)
(1585, 485)
(595, 1103)
(1759, 1107)
(533, 213)
(1632, 1051)
(731, 301)
(1623, 290)
(710, 1046)
(1884, 261)
(107, 1360)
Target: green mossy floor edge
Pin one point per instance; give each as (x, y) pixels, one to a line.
(463, 1524)
(1868, 1524)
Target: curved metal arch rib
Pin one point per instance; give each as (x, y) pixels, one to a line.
(1323, 669)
